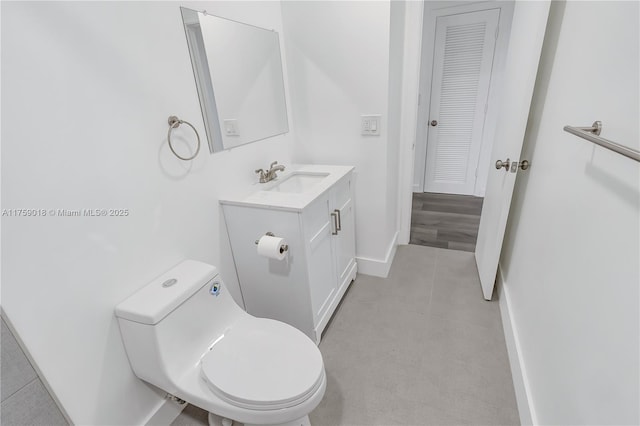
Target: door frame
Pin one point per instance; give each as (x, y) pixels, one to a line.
(411, 80)
(432, 11)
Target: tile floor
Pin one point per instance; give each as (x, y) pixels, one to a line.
(421, 347)
(25, 400)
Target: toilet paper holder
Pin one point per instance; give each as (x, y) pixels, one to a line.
(283, 248)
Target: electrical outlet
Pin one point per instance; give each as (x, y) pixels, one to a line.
(231, 127)
(370, 124)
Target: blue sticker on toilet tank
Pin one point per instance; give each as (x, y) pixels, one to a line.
(215, 288)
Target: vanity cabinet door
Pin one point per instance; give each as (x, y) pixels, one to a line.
(344, 242)
(322, 275)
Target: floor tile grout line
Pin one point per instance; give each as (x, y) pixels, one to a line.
(22, 387)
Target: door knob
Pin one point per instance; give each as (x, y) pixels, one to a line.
(500, 164)
(524, 164)
(434, 122)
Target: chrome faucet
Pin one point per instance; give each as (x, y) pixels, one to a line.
(271, 173)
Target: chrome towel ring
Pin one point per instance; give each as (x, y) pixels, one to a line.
(175, 122)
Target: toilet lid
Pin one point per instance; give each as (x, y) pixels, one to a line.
(263, 364)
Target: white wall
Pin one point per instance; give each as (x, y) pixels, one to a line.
(338, 58)
(86, 92)
(570, 260)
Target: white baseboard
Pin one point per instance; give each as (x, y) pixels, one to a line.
(165, 413)
(379, 267)
(518, 370)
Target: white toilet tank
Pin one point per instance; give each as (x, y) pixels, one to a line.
(169, 324)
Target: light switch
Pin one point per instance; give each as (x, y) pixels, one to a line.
(370, 124)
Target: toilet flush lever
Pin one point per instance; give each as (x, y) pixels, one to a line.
(169, 282)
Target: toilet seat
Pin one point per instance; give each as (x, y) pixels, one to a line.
(263, 364)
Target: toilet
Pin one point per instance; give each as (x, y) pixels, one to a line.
(184, 334)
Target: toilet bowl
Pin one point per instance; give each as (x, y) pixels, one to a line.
(185, 334)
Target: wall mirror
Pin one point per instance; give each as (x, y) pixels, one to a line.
(238, 73)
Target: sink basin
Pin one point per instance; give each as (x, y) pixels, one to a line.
(293, 190)
(299, 182)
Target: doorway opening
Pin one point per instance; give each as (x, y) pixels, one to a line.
(462, 65)
(527, 27)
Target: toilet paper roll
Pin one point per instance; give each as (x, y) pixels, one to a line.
(272, 247)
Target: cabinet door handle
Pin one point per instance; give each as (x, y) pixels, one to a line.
(334, 215)
(339, 226)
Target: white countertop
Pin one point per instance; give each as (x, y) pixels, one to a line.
(263, 198)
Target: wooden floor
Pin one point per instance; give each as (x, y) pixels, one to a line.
(445, 220)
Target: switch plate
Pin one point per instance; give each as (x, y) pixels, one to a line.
(370, 124)
(231, 127)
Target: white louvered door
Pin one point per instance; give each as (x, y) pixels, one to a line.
(462, 64)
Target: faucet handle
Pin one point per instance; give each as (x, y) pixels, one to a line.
(273, 164)
(262, 174)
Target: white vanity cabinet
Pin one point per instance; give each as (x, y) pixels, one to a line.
(303, 289)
